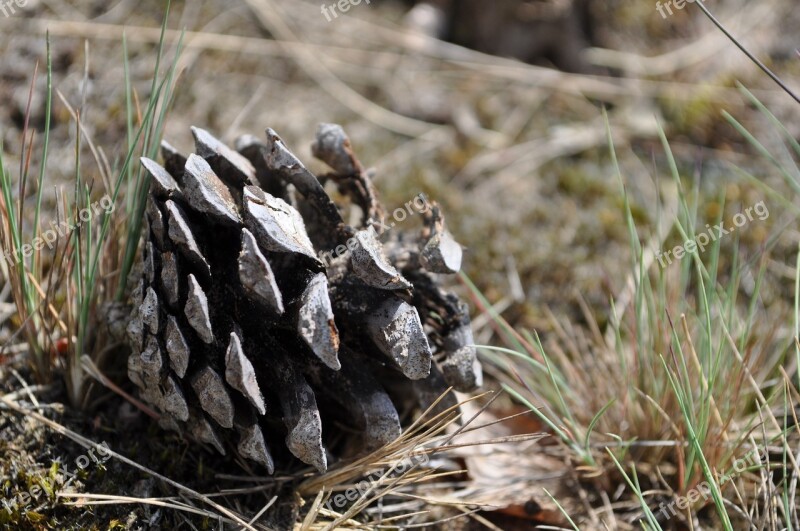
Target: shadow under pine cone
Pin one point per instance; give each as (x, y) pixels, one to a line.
(250, 318)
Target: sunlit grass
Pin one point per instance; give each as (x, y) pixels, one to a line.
(22, 265)
(91, 264)
(686, 380)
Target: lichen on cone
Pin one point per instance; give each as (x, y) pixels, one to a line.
(251, 329)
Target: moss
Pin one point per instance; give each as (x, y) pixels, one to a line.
(576, 182)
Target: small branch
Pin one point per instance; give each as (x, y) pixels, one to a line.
(752, 57)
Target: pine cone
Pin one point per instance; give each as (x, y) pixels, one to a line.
(261, 311)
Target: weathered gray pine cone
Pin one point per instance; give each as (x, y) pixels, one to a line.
(261, 312)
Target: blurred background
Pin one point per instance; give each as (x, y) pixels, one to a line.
(495, 109)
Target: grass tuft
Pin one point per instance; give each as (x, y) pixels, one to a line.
(682, 388)
(63, 305)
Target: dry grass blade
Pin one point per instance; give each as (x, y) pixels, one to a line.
(91, 369)
(88, 499)
(374, 476)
